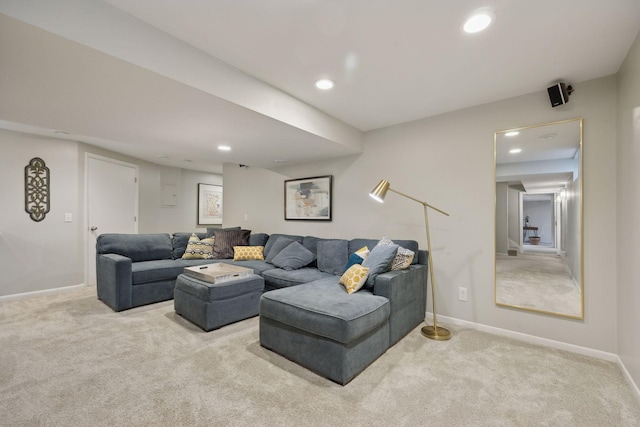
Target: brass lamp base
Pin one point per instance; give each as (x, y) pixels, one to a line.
(438, 333)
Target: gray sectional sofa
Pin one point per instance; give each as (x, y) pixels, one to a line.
(305, 314)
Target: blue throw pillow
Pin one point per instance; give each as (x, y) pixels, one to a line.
(353, 260)
(293, 257)
(379, 261)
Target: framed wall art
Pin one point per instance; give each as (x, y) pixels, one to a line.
(209, 204)
(308, 198)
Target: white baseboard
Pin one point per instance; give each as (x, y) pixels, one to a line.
(585, 351)
(627, 376)
(25, 295)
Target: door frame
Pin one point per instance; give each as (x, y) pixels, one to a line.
(86, 234)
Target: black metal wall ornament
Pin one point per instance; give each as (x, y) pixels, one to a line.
(36, 189)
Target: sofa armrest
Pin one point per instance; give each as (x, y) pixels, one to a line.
(114, 281)
(406, 291)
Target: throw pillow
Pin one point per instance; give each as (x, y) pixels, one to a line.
(331, 255)
(403, 258)
(212, 230)
(225, 240)
(379, 261)
(199, 249)
(293, 257)
(363, 252)
(353, 260)
(246, 253)
(277, 247)
(354, 278)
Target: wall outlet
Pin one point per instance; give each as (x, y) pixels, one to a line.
(246, 217)
(462, 294)
(68, 217)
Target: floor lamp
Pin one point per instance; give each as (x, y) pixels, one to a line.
(434, 332)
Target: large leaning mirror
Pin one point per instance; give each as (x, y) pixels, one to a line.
(539, 218)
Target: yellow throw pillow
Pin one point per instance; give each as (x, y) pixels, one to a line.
(354, 278)
(199, 249)
(363, 252)
(245, 253)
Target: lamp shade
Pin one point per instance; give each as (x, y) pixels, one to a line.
(379, 193)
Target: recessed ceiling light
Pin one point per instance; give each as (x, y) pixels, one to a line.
(479, 21)
(279, 161)
(548, 136)
(325, 84)
(515, 150)
(512, 133)
(224, 148)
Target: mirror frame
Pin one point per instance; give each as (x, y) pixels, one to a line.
(580, 216)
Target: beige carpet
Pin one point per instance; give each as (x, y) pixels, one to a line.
(538, 281)
(68, 360)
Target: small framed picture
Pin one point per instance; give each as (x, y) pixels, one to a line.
(209, 204)
(308, 198)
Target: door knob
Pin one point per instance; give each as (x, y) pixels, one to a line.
(94, 228)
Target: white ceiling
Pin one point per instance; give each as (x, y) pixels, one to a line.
(549, 159)
(392, 61)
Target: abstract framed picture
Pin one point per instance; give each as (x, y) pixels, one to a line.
(209, 204)
(308, 198)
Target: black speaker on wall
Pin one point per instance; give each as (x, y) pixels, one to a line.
(559, 94)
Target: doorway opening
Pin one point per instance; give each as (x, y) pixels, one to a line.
(540, 227)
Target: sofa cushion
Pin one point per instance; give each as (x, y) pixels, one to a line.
(274, 238)
(137, 247)
(379, 261)
(293, 257)
(154, 271)
(276, 247)
(279, 278)
(258, 266)
(332, 255)
(356, 244)
(324, 308)
(225, 240)
(258, 239)
(354, 278)
(180, 240)
(199, 249)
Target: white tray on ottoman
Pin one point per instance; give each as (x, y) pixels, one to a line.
(218, 272)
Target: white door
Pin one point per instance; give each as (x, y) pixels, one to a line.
(111, 203)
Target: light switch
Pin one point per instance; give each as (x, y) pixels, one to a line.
(68, 217)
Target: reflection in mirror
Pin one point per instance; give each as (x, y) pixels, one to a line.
(539, 218)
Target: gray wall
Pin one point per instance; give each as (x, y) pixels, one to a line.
(626, 212)
(45, 254)
(50, 254)
(502, 217)
(515, 225)
(448, 161)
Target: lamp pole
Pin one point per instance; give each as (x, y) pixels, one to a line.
(434, 332)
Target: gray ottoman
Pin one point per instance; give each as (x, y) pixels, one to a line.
(321, 327)
(211, 306)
